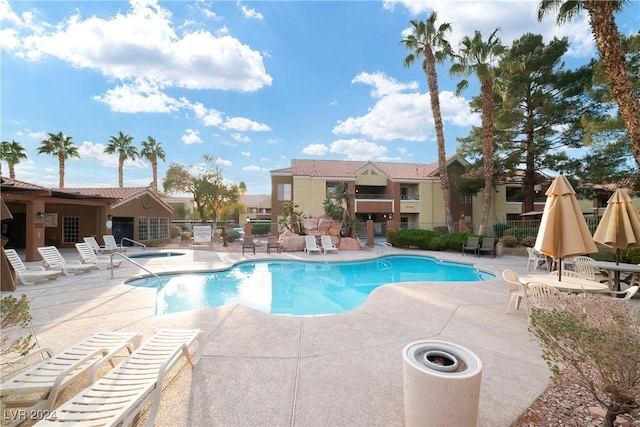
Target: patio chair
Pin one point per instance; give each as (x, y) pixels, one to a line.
(29, 275)
(38, 387)
(93, 243)
(52, 260)
(273, 243)
(539, 296)
(248, 243)
(102, 262)
(566, 273)
(627, 294)
(588, 270)
(536, 260)
(310, 244)
(327, 244)
(471, 245)
(515, 289)
(110, 244)
(487, 245)
(120, 395)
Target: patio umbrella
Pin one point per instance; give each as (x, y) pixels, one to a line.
(619, 227)
(563, 231)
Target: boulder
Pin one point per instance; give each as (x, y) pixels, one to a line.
(335, 228)
(323, 225)
(310, 224)
(349, 244)
(292, 243)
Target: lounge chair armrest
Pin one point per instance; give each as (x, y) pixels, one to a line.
(38, 351)
(129, 346)
(36, 268)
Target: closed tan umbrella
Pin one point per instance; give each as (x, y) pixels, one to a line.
(563, 231)
(619, 227)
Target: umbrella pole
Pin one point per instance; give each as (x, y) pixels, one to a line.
(616, 274)
(560, 270)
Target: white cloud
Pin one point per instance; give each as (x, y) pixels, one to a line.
(315, 149)
(406, 116)
(240, 138)
(245, 153)
(142, 96)
(95, 151)
(253, 168)
(143, 43)
(243, 124)
(209, 117)
(223, 162)
(250, 13)
(358, 149)
(191, 136)
(513, 17)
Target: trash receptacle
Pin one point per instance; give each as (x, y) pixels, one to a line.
(499, 247)
(441, 384)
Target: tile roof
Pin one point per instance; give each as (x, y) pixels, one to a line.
(255, 200)
(348, 169)
(113, 193)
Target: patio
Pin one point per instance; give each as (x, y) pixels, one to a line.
(345, 369)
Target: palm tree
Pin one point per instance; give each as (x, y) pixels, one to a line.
(11, 152)
(424, 38)
(58, 144)
(477, 56)
(152, 151)
(121, 144)
(605, 32)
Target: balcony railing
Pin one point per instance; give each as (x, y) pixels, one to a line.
(374, 196)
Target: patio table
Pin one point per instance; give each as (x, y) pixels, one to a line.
(568, 284)
(614, 270)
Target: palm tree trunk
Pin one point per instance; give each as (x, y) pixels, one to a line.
(12, 171)
(61, 169)
(121, 171)
(616, 70)
(432, 82)
(154, 168)
(487, 149)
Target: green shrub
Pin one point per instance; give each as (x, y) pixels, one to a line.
(260, 228)
(232, 236)
(509, 241)
(499, 229)
(14, 313)
(175, 231)
(186, 236)
(454, 241)
(632, 256)
(427, 239)
(520, 232)
(529, 241)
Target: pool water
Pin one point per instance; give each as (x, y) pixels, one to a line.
(300, 288)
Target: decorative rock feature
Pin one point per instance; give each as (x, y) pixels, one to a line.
(318, 226)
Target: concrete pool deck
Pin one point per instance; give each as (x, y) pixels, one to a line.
(259, 369)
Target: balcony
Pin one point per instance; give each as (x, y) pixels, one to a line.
(374, 203)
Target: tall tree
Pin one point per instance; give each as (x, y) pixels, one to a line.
(152, 151)
(428, 40)
(612, 55)
(476, 56)
(538, 113)
(61, 146)
(11, 152)
(121, 145)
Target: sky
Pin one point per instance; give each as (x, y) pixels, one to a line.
(253, 84)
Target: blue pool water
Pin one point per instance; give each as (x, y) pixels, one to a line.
(300, 288)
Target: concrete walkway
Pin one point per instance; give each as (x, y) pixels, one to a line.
(259, 369)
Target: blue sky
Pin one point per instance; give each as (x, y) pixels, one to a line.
(254, 84)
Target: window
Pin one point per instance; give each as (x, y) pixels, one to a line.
(465, 198)
(153, 228)
(284, 191)
(331, 191)
(70, 229)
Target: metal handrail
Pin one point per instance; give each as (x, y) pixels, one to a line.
(144, 247)
(134, 263)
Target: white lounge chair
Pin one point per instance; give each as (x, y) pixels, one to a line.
(119, 396)
(110, 244)
(38, 387)
(310, 244)
(102, 262)
(52, 260)
(91, 241)
(327, 244)
(29, 275)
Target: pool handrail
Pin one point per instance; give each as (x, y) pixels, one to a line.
(134, 263)
(144, 247)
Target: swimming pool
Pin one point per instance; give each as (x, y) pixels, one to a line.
(299, 288)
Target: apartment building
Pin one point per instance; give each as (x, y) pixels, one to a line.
(409, 194)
